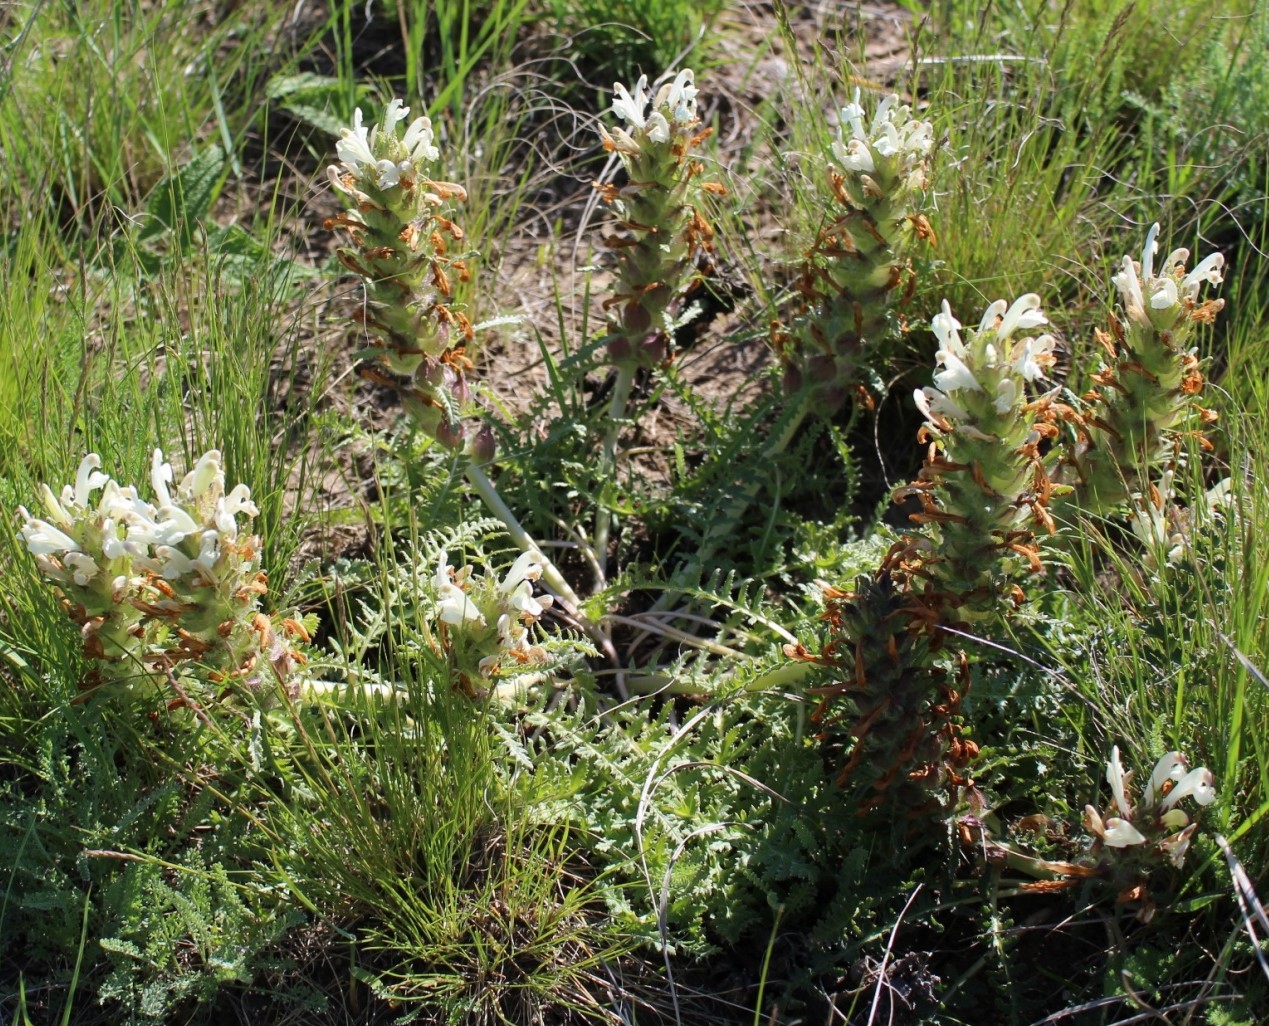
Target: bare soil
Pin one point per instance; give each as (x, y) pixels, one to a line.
(543, 269)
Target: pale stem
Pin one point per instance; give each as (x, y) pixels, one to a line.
(607, 460)
(553, 578)
(550, 575)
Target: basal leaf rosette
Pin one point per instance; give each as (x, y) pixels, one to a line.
(409, 253)
(983, 485)
(661, 228)
(158, 586)
(1146, 395)
(858, 267)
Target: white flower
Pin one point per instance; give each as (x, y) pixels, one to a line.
(173, 564)
(86, 481)
(174, 526)
(453, 605)
(43, 539)
(947, 330)
(657, 127)
(1118, 779)
(418, 141)
(1151, 525)
(1006, 395)
(1163, 293)
(854, 155)
(893, 137)
(630, 108)
(381, 156)
(516, 588)
(208, 552)
(680, 97)
(1033, 356)
(1157, 817)
(56, 511)
(228, 507)
(207, 477)
(353, 148)
(955, 374)
(1119, 833)
(935, 405)
(1209, 270)
(392, 114)
(112, 546)
(1171, 767)
(82, 566)
(1198, 784)
(674, 102)
(1023, 315)
(160, 478)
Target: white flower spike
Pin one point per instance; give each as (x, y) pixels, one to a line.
(1156, 300)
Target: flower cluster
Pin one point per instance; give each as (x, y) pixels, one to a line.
(406, 250)
(889, 154)
(1134, 838)
(1168, 300)
(661, 229)
(380, 159)
(1131, 424)
(673, 112)
(155, 584)
(983, 482)
(858, 267)
(484, 622)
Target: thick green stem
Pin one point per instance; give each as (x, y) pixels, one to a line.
(607, 460)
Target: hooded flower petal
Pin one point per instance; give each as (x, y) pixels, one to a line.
(955, 374)
(86, 481)
(1023, 315)
(947, 329)
(630, 107)
(1171, 766)
(1033, 356)
(1209, 270)
(1198, 784)
(208, 476)
(453, 605)
(680, 97)
(1117, 779)
(160, 478)
(43, 539)
(1121, 834)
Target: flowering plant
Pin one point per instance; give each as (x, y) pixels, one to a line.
(154, 585)
(1141, 836)
(983, 484)
(662, 230)
(1145, 398)
(858, 267)
(403, 247)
